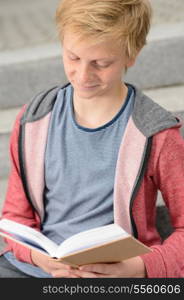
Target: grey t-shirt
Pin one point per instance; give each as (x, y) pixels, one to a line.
(80, 168)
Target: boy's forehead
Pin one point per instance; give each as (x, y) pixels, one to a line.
(78, 43)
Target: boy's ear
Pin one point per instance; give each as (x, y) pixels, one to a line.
(131, 60)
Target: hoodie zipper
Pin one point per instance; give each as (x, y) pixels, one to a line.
(138, 182)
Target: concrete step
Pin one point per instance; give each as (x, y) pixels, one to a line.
(3, 187)
(30, 71)
(171, 12)
(171, 98)
(27, 23)
(161, 61)
(7, 119)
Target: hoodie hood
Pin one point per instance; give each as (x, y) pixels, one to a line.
(149, 117)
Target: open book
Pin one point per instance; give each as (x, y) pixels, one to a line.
(109, 243)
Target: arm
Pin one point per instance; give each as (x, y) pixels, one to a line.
(167, 259)
(16, 206)
(52, 266)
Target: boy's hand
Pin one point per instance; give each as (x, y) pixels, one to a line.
(130, 268)
(55, 268)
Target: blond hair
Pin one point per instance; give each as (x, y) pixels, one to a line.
(127, 21)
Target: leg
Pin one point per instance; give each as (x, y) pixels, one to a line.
(7, 270)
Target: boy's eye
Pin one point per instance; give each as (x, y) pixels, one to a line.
(104, 66)
(95, 63)
(73, 57)
(100, 65)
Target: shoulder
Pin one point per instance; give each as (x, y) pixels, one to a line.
(42, 103)
(149, 117)
(168, 137)
(167, 146)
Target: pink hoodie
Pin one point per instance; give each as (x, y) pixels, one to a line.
(157, 163)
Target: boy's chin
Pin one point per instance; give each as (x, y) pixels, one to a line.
(87, 93)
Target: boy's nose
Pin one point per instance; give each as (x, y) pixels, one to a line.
(85, 74)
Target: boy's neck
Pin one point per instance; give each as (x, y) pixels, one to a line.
(96, 112)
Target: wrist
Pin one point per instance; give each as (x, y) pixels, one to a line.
(140, 268)
(33, 255)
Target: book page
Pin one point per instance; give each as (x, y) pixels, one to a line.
(89, 238)
(24, 242)
(28, 235)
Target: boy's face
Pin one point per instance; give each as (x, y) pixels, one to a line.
(94, 69)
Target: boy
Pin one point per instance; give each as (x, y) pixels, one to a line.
(97, 150)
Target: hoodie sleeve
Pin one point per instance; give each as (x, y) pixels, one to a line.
(166, 260)
(16, 206)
